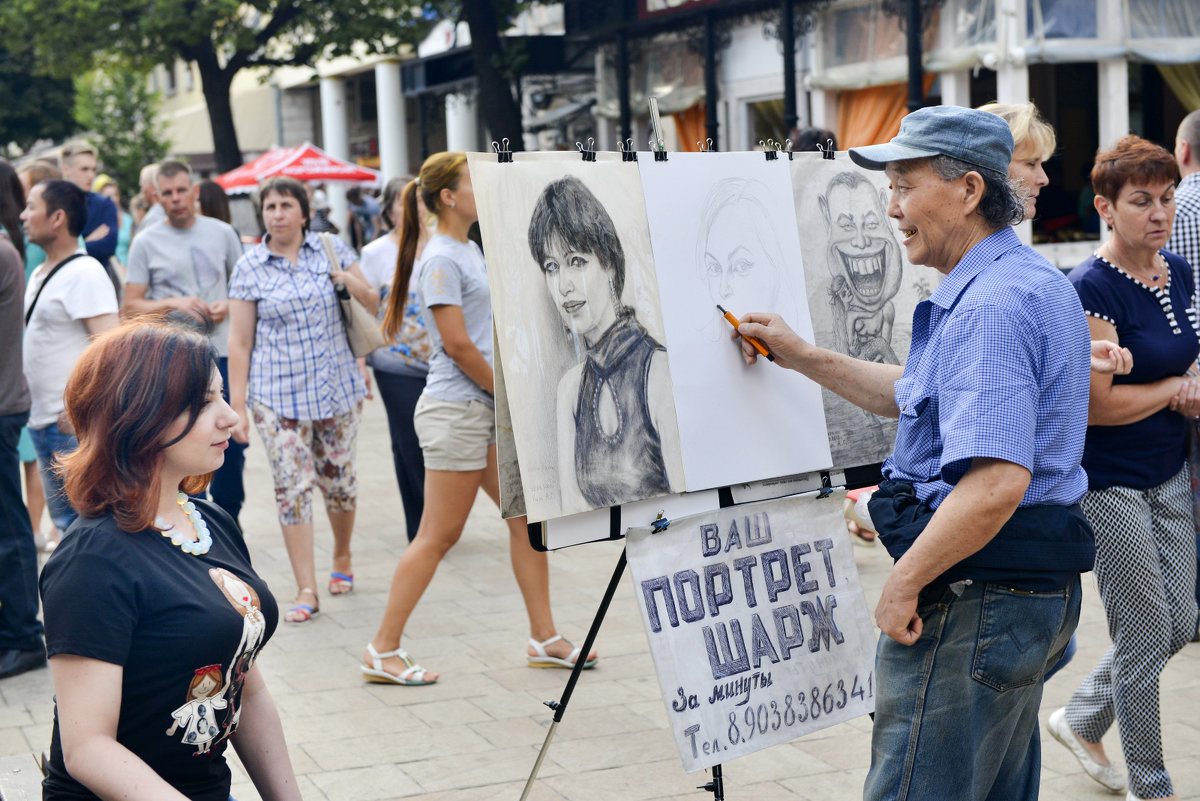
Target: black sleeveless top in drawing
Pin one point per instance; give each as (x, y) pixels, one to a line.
(627, 464)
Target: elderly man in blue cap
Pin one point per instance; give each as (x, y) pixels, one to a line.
(979, 506)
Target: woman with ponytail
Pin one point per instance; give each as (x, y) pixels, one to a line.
(401, 365)
(455, 422)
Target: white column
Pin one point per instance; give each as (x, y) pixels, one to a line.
(956, 88)
(335, 132)
(824, 111)
(1114, 101)
(1012, 73)
(393, 122)
(1113, 77)
(462, 126)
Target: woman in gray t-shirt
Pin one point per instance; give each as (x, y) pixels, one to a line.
(455, 422)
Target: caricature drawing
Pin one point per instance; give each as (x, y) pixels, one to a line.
(197, 715)
(739, 255)
(864, 260)
(615, 418)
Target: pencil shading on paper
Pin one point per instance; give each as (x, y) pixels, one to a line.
(862, 291)
(864, 261)
(613, 407)
(578, 326)
(723, 231)
(739, 254)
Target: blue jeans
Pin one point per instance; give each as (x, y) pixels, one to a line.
(49, 443)
(956, 712)
(19, 626)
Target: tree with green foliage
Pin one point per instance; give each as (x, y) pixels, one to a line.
(222, 37)
(32, 106)
(116, 106)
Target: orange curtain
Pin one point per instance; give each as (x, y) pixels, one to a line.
(872, 115)
(690, 127)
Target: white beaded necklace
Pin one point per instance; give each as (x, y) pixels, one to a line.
(203, 539)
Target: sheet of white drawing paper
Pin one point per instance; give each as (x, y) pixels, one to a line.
(861, 288)
(723, 232)
(550, 322)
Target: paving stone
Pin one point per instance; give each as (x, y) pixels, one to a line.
(475, 734)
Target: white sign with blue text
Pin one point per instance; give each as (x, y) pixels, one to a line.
(757, 624)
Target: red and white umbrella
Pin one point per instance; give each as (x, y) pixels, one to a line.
(307, 162)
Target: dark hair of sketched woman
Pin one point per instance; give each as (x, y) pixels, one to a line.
(614, 407)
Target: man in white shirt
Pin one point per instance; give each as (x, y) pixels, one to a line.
(183, 266)
(69, 300)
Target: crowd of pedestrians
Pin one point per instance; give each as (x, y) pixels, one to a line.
(151, 338)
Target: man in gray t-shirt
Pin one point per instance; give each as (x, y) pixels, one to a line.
(183, 265)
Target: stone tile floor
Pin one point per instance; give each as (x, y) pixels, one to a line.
(476, 733)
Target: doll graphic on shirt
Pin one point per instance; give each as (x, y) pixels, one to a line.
(198, 715)
(245, 600)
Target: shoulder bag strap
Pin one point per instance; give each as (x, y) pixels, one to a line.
(330, 253)
(57, 267)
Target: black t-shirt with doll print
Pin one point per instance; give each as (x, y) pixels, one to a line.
(185, 629)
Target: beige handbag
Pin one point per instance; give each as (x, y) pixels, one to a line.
(363, 331)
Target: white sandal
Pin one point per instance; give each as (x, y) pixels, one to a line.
(544, 660)
(412, 676)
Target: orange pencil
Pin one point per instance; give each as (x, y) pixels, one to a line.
(758, 346)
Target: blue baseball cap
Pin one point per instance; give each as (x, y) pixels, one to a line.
(979, 138)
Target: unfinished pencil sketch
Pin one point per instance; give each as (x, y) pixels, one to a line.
(739, 254)
(579, 330)
(862, 291)
(723, 232)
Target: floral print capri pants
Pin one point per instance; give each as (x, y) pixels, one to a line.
(304, 452)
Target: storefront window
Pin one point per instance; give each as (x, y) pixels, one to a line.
(860, 31)
(1060, 19)
(766, 121)
(1163, 19)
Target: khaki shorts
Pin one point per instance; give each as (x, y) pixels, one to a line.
(454, 435)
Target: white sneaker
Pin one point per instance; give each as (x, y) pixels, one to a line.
(1107, 775)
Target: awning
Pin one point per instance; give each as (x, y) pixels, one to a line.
(306, 162)
(564, 112)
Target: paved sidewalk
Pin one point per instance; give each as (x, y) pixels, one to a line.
(475, 734)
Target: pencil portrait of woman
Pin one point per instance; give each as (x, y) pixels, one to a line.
(617, 433)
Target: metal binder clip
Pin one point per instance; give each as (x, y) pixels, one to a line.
(589, 152)
(787, 148)
(827, 150)
(503, 154)
(706, 146)
(771, 148)
(659, 155)
(660, 524)
(627, 151)
(826, 485)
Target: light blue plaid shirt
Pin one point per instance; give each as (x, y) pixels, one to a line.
(301, 367)
(999, 368)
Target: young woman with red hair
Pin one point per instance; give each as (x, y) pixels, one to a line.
(154, 615)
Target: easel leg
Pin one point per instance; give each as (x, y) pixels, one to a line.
(560, 706)
(716, 786)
